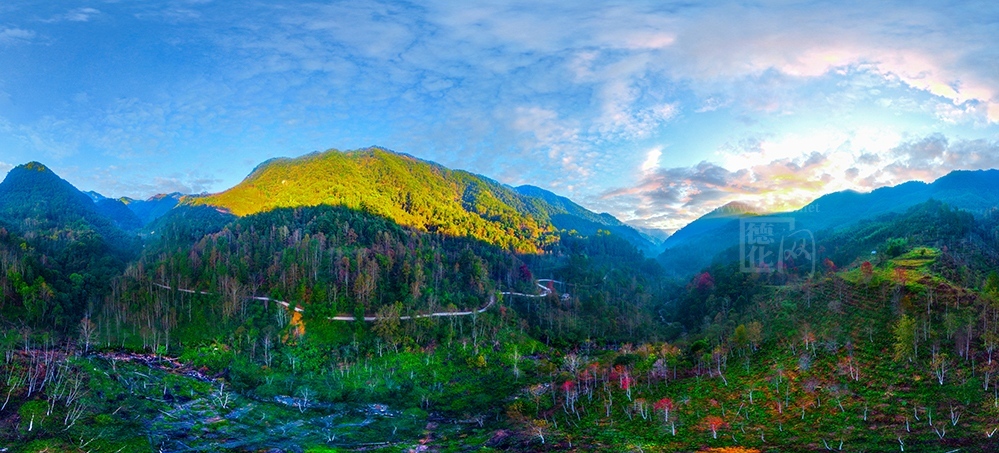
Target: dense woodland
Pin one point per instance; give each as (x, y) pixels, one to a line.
(226, 333)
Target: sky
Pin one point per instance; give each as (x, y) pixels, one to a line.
(654, 111)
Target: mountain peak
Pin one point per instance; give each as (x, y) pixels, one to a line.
(733, 209)
(36, 176)
(32, 171)
(33, 197)
(33, 166)
(416, 193)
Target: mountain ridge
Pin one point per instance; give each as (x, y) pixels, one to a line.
(416, 193)
(975, 191)
(34, 199)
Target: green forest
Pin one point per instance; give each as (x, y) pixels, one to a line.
(372, 302)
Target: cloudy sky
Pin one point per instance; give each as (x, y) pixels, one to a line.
(656, 112)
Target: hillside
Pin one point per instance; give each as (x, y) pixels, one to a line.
(33, 191)
(417, 194)
(59, 252)
(34, 201)
(320, 327)
(694, 246)
(565, 214)
(859, 356)
(152, 208)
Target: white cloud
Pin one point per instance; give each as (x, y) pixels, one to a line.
(777, 178)
(651, 160)
(15, 35)
(555, 93)
(75, 15)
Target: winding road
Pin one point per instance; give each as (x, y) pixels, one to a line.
(441, 314)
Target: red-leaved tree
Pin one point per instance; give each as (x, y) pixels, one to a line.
(867, 269)
(714, 423)
(664, 405)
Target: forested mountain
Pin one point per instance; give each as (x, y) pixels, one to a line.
(710, 224)
(694, 246)
(34, 200)
(565, 214)
(372, 301)
(58, 252)
(152, 208)
(117, 212)
(418, 194)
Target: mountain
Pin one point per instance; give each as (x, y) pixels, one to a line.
(693, 247)
(122, 217)
(313, 306)
(95, 196)
(154, 207)
(37, 202)
(973, 191)
(416, 193)
(654, 234)
(709, 223)
(33, 190)
(565, 214)
(62, 250)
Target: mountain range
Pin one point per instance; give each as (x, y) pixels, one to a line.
(694, 246)
(431, 198)
(411, 192)
(424, 297)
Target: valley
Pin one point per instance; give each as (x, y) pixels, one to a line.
(371, 301)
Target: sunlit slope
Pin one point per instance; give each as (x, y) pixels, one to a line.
(412, 192)
(409, 191)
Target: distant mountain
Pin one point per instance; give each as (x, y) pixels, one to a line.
(416, 193)
(122, 217)
(565, 214)
(973, 191)
(709, 223)
(35, 201)
(154, 207)
(694, 246)
(94, 196)
(654, 234)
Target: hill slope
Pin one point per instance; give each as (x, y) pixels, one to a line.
(693, 247)
(37, 202)
(414, 193)
(153, 207)
(565, 214)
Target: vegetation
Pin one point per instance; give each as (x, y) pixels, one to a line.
(315, 327)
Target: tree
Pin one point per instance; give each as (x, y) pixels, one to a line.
(901, 276)
(867, 270)
(704, 282)
(664, 405)
(387, 325)
(740, 337)
(991, 286)
(940, 362)
(540, 427)
(87, 330)
(906, 340)
(714, 423)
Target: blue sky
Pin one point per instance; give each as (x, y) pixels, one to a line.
(656, 112)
